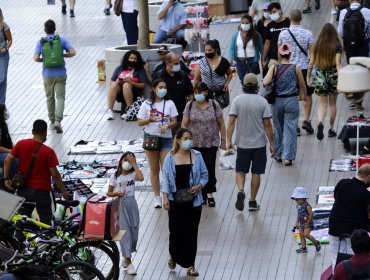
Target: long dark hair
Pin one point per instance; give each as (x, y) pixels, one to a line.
(139, 64)
(251, 33)
(153, 95)
(215, 45)
(5, 141)
(119, 168)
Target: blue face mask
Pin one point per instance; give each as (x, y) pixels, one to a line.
(161, 92)
(245, 26)
(187, 144)
(176, 68)
(275, 17)
(200, 97)
(266, 15)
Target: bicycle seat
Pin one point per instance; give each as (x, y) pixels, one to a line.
(68, 203)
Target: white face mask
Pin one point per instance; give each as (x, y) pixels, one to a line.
(245, 26)
(275, 17)
(126, 165)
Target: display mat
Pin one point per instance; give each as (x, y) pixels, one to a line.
(83, 147)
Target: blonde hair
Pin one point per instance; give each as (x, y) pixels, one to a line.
(179, 134)
(325, 49)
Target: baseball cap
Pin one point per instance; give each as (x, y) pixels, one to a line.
(265, 6)
(250, 79)
(163, 48)
(285, 49)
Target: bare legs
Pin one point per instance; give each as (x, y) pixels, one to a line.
(307, 108)
(255, 184)
(323, 104)
(155, 159)
(116, 88)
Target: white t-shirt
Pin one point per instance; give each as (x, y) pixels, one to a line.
(148, 109)
(124, 183)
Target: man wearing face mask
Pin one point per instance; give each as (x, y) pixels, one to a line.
(172, 21)
(279, 23)
(349, 211)
(38, 184)
(256, 9)
(252, 115)
(179, 87)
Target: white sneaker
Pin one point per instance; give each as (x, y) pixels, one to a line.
(52, 126)
(110, 115)
(124, 263)
(58, 127)
(123, 116)
(131, 269)
(157, 202)
(333, 11)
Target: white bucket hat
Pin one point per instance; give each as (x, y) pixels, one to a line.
(299, 192)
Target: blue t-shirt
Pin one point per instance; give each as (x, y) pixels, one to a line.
(57, 71)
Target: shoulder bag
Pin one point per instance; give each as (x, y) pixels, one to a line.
(221, 96)
(117, 7)
(183, 196)
(19, 180)
(270, 93)
(295, 40)
(152, 142)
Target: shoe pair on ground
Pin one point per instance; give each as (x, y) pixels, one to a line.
(191, 270)
(56, 126)
(128, 266)
(111, 116)
(308, 9)
(64, 11)
(239, 205)
(320, 132)
(304, 249)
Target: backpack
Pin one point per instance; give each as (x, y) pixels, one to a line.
(356, 273)
(353, 27)
(52, 52)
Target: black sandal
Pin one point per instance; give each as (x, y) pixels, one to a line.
(211, 202)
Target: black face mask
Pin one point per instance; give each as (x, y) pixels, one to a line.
(132, 63)
(210, 55)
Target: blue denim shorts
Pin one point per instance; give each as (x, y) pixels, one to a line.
(166, 144)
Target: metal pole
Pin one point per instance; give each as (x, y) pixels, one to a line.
(357, 146)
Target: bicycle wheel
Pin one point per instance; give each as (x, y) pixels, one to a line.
(77, 270)
(99, 255)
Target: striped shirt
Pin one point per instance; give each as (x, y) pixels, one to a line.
(217, 80)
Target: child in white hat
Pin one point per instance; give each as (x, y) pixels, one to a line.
(305, 219)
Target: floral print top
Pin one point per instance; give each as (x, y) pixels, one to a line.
(203, 124)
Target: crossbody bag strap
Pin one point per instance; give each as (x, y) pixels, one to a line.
(210, 71)
(164, 104)
(280, 73)
(33, 160)
(295, 40)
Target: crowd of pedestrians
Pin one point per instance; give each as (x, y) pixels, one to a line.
(184, 121)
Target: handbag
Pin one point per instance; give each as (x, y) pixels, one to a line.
(183, 196)
(152, 142)
(221, 96)
(117, 7)
(19, 180)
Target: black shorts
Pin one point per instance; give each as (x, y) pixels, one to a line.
(136, 93)
(245, 157)
(310, 90)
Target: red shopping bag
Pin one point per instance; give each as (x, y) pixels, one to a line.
(101, 217)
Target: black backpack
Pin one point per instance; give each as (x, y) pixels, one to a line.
(356, 273)
(353, 27)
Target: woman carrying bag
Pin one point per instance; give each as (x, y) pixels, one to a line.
(184, 176)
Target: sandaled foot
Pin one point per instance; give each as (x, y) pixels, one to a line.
(171, 264)
(211, 202)
(192, 271)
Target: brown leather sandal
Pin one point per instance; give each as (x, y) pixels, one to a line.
(192, 271)
(171, 264)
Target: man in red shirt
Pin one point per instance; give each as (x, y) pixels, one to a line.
(38, 189)
(359, 264)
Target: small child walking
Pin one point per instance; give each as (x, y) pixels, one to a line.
(122, 185)
(304, 219)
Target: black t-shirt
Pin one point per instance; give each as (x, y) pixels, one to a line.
(350, 207)
(272, 33)
(179, 87)
(261, 29)
(160, 66)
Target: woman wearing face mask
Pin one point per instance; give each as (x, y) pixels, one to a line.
(183, 168)
(246, 48)
(158, 115)
(122, 185)
(214, 70)
(204, 118)
(127, 82)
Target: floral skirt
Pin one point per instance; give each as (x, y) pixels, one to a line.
(325, 81)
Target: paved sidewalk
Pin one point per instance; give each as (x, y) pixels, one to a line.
(232, 245)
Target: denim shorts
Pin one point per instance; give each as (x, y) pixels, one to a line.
(165, 144)
(245, 157)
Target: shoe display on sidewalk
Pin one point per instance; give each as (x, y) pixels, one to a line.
(253, 206)
(308, 127)
(239, 205)
(307, 10)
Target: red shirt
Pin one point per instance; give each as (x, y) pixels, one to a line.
(40, 177)
(357, 261)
